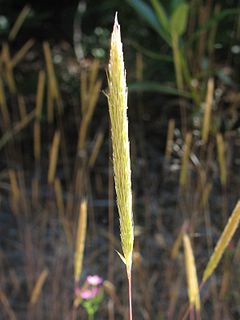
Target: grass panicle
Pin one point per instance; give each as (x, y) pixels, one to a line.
(117, 101)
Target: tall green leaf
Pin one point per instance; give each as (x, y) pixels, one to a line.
(146, 12)
(162, 16)
(179, 19)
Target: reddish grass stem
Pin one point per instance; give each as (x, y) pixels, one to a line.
(129, 275)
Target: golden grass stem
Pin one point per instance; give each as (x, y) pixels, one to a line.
(170, 137)
(221, 159)
(207, 110)
(96, 148)
(52, 80)
(19, 22)
(40, 94)
(193, 289)
(37, 289)
(80, 240)
(185, 159)
(53, 157)
(8, 68)
(22, 52)
(22, 107)
(222, 243)
(16, 129)
(3, 106)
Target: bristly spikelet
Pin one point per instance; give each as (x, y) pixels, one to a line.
(117, 100)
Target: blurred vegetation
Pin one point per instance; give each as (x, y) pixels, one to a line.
(182, 60)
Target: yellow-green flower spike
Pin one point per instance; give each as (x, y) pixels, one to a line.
(117, 101)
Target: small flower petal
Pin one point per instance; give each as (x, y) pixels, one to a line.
(94, 280)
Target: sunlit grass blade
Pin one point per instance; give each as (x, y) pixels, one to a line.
(3, 106)
(19, 22)
(207, 110)
(222, 243)
(22, 52)
(193, 289)
(8, 68)
(80, 240)
(53, 157)
(221, 159)
(97, 145)
(170, 137)
(185, 159)
(37, 289)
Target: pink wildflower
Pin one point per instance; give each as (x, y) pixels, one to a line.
(94, 280)
(89, 293)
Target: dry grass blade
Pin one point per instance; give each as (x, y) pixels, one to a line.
(193, 289)
(170, 136)
(80, 240)
(6, 306)
(16, 129)
(8, 68)
(185, 159)
(53, 157)
(207, 110)
(15, 191)
(22, 107)
(96, 148)
(88, 107)
(38, 287)
(3, 106)
(19, 22)
(224, 240)
(22, 52)
(52, 80)
(221, 159)
(37, 140)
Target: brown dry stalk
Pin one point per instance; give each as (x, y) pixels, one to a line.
(15, 191)
(22, 52)
(207, 110)
(221, 158)
(37, 140)
(222, 243)
(8, 68)
(52, 80)
(59, 196)
(170, 136)
(80, 240)
(40, 94)
(3, 106)
(19, 22)
(16, 129)
(185, 159)
(96, 148)
(90, 89)
(22, 107)
(37, 289)
(6, 305)
(53, 157)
